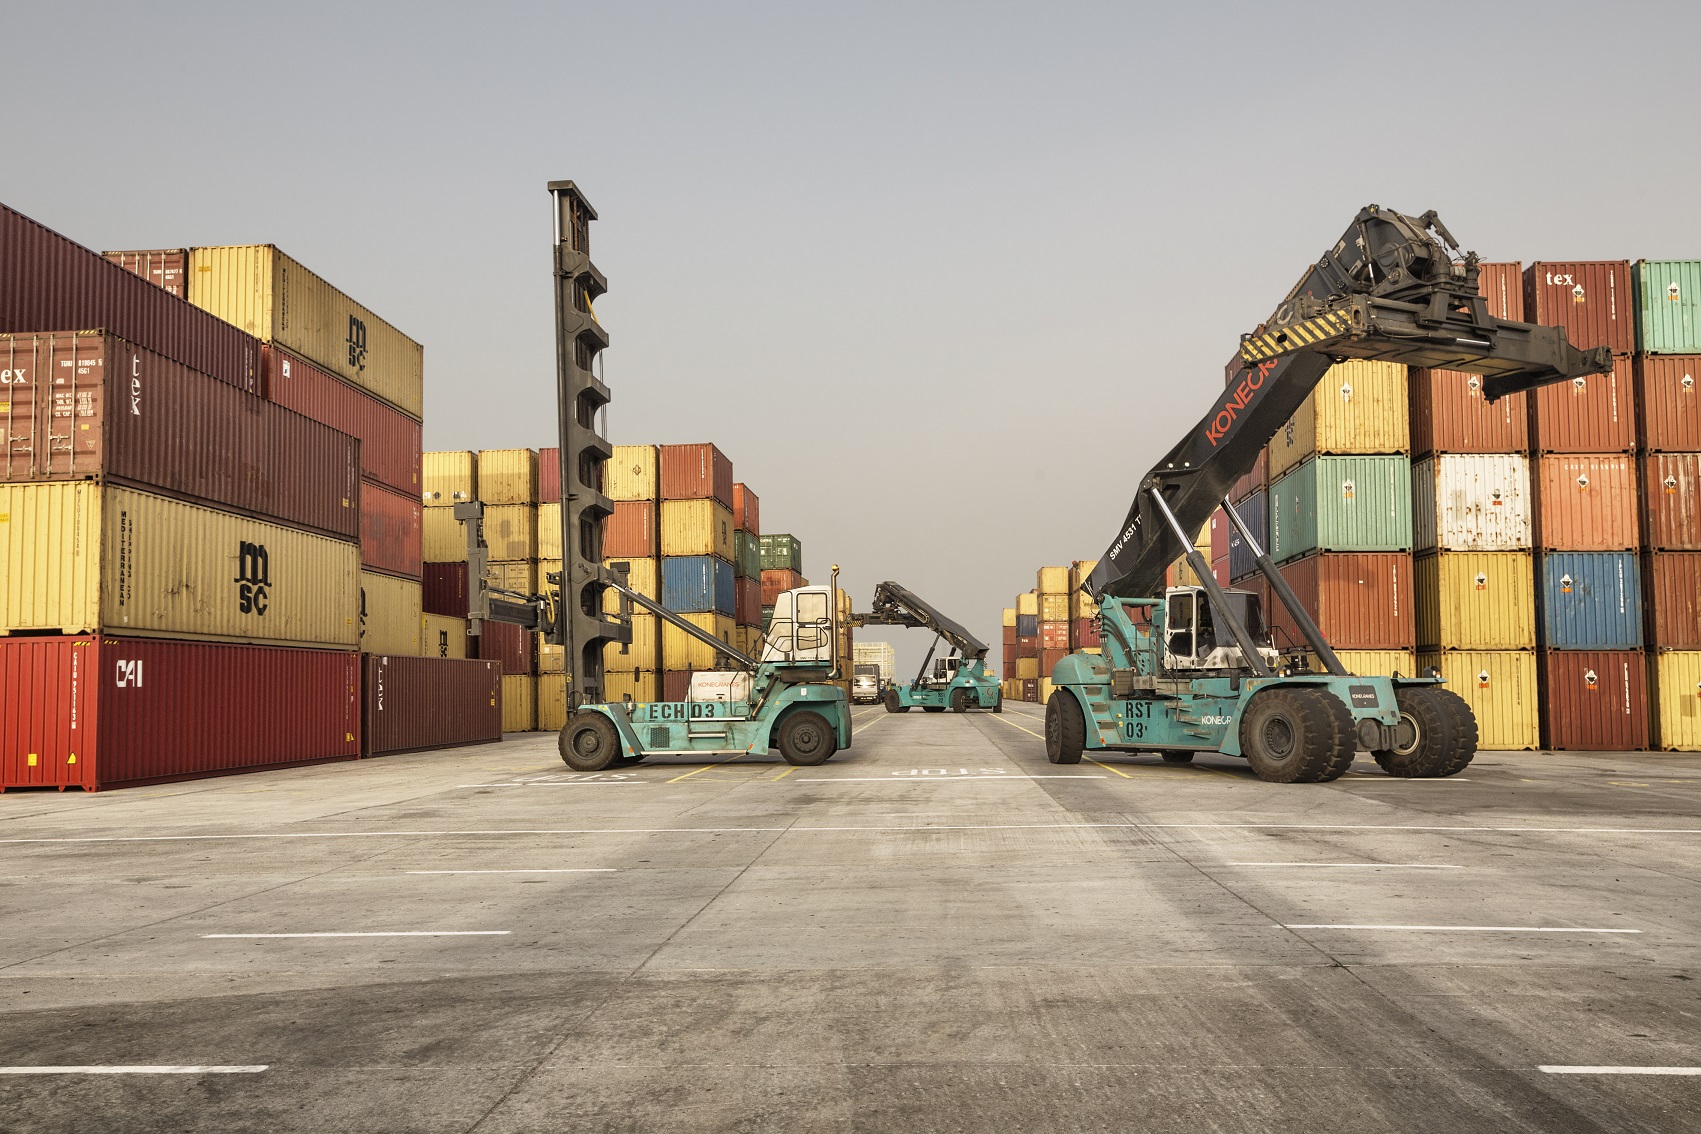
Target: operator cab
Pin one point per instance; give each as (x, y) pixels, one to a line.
(945, 670)
(802, 630)
(1193, 640)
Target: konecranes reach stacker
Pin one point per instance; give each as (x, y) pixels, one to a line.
(1192, 671)
(959, 681)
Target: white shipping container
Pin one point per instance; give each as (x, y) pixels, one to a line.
(876, 653)
(1471, 502)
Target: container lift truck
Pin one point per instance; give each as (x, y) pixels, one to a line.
(958, 681)
(787, 700)
(1192, 671)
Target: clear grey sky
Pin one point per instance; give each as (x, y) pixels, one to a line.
(942, 280)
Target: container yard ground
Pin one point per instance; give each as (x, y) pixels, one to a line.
(937, 930)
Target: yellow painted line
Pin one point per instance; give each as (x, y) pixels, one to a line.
(783, 774)
(699, 771)
(1108, 768)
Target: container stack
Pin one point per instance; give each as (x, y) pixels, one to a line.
(1051, 589)
(519, 533)
(781, 557)
(632, 535)
(697, 549)
(747, 570)
(1028, 646)
(1009, 683)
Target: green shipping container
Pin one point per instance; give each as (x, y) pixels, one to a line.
(1668, 306)
(1342, 503)
(782, 552)
(746, 555)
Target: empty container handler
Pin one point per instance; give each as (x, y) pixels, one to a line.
(1500, 687)
(1668, 402)
(449, 478)
(549, 476)
(1342, 503)
(746, 510)
(639, 686)
(1359, 406)
(784, 552)
(86, 405)
(78, 558)
(1594, 700)
(510, 531)
(549, 532)
(47, 281)
(445, 589)
(698, 584)
(1449, 414)
(166, 268)
(631, 531)
(746, 555)
(748, 602)
(1592, 413)
(1587, 502)
(632, 473)
(1475, 600)
(642, 575)
(776, 583)
(390, 612)
(695, 472)
(391, 535)
(389, 439)
(642, 652)
(1370, 663)
(519, 703)
(1054, 636)
(441, 636)
(413, 703)
(680, 651)
(1676, 677)
(1593, 300)
(1671, 501)
(1668, 306)
(1254, 512)
(1472, 502)
(507, 476)
(696, 527)
(505, 644)
(552, 702)
(1590, 600)
(1671, 593)
(1360, 600)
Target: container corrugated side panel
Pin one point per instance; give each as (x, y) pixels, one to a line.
(167, 268)
(1587, 502)
(746, 509)
(631, 531)
(1671, 587)
(441, 636)
(1293, 513)
(642, 652)
(636, 685)
(449, 477)
(508, 476)
(509, 646)
(549, 531)
(389, 439)
(1052, 580)
(1359, 406)
(1593, 413)
(1594, 700)
(1371, 663)
(390, 610)
(696, 527)
(1668, 306)
(643, 576)
(1449, 414)
(445, 589)
(1254, 512)
(1591, 600)
(391, 537)
(549, 476)
(510, 530)
(1677, 700)
(697, 584)
(411, 703)
(1364, 503)
(50, 541)
(552, 702)
(1472, 502)
(1669, 402)
(1593, 300)
(695, 472)
(1360, 600)
(1476, 600)
(1500, 687)
(1501, 282)
(516, 575)
(1671, 497)
(47, 733)
(680, 651)
(631, 474)
(519, 703)
(443, 539)
(747, 555)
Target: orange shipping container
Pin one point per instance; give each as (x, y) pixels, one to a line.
(746, 510)
(1360, 600)
(1595, 413)
(1054, 635)
(1668, 402)
(631, 530)
(695, 472)
(1587, 502)
(774, 583)
(1591, 299)
(1451, 415)
(1671, 595)
(1671, 501)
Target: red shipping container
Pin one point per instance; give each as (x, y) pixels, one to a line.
(746, 510)
(747, 601)
(47, 282)
(1027, 647)
(1669, 403)
(1591, 299)
(1587, 502)
(1087, 634)
(1254, 481)
(389, 438)
(1671, 501)
(1594, 700)
(1501, 282)
(1361, 600)
(1009, 659)
(162, 267)
(1054, 635)
(391, 537)
(1048, 659)
(676, 684)
(1595, 413)
(695, 472)
(507, 644)
(1671, 597)
(1009, 635)
(1030, 689)
(445, 589)
(549, 476)
(1449, 414)
(95, 712)
(411, 703)
(86, 405)
(776, 582)
(1220, 568)
(631, 531)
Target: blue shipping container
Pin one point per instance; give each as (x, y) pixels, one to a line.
(1254, 512)
(1591, 600)
(1027, 626)
(698, 584)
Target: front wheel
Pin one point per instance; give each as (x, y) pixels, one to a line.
(1436, 736)
(806, 739)
(590, 742)
(959, 700)
(1065, 729)
(998, 705)
(893, 705)
(1297, 735)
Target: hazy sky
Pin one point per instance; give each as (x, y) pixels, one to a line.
(942, 280)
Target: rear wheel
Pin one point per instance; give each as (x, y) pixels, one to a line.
(893, 705)
(959, 700)
(998, 705)
(1065, 728)
(1436, 736)
(590, 742)
(1178, 757)
(1297, 735)
(806, 739)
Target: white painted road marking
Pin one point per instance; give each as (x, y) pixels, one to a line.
(895, 779)
(565, 870)
(1364, 865)
(399, 933)
(1467, 928)
(1560, 1069)
(141, 1069)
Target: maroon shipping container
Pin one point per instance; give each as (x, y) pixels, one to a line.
(508, 645)
(162, 267)
(1668, 402)
(1591, 299)
(1671, 598)
(1030, 689)
(1361, 600)
(1450, 415)
(391, 536)
(95, 712)
(47, 281)
(746, 510)
(1009, 635)
(1584, 502)
(630, 532)
(389, 438)
(86, 405)
(1054, 635)
(549, 476)
(1595, 413)
(1027, 647)
(676, 684)
(410, 703)
(1009, 659)
(1220, 569)
(445, 589)
(1671, 501)
(1087, 633)
(1594, 700)
(1048, 659)
(695, 472)
(747, 605)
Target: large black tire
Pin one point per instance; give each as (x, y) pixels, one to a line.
(1438, 734)
(806, 739)
(1178, 757)
(959, 700)
(1065, 728)
(590, 742)
(933, 708)
(1297, 735)
(998, 705)
(892, 704)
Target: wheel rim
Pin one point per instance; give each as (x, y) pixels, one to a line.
(806, 739)
(1279, 737)
(1407, 735)
(1054, 730)
(587, 743)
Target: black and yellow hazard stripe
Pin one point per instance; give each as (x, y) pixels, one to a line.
(1295, 336)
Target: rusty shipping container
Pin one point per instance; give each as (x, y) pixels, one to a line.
(1449, 414)
(1360, 600)
(1671, 501)
(1593, 300)
(695, 472)
(389, 438)
(632, 530)
(1594, 413)
(163, 267)
(746, 510)
(1587, 502)
(48, 283)
(86, 405)
(390, 531)
(412, 703)
(95, 712)
(1668, 402)
(1671, 595)
(1472, 502)
(1594, 700)
(1501, 282)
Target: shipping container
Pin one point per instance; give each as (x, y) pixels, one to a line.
(277, 300)
(781, 552)
(86, 405)
(680, 651)
(1472, 502)
(1080, 605)
(642, 652)
(1501, 282)
(77, 558)
(1254, 512)
(1054, 636)
(1359, 406)
(676, 684)
(1676, 677)
(449, 477)
(1671, 590)
(50, 283)
(1043, 690)
(1342, 503)
(1594, 700)
(698, 584)
(1668, 295)
(1593, 413)
(510, 530)
(1370, 663)
(515, 575)
(445, 589)
(549, 532)
(1027, 625)
(776, 583)
(552, 702)
(163, 267)
(441, 636)
(1255, 481)
(1360, 600)
(1475, 600)
(1449, 414)
(1500, 687)
(389, 439)
(746, 510)
(549, 476)
(695, 472)
(1220, 570)
(1590, 600)
(1010, 658)
(642, 575)
(390, 610)
(1587, 502)
(1027, 668)
(632, 473)
(391, 536)
(1054, 608)
(94, 712)
(748, 603)
(507, 476)
(519, 703)
(1592, 299)
(631, 532)
(1048, 660)
(1025, 604)
(1086, 633)
(507, 645)
(696, 527)
(413, 703)
(1668, 402)
(746, 555)
(636, 685)
(1671, 501)
(1030, 690)
(1052, 581)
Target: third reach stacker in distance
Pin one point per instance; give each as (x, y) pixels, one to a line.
(1191, 671)
(959, 680)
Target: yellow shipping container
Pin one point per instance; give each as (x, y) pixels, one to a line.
(442, 636)
(642, 652)
(641, 686)
(1500, 687)
(696, 527)
(1358, 407)
(1027, 668)
(549, 532)
(519, 703)
(551, 659)
(1027, 604)
(631, 473)
(1475, 600)
(510, 530)
(77, 558)
(389, 614)
(277, 300)
(1009, 616)
(644, 576)
(1080, 606)
(552, 702)
(1052, 581)
(448, 478)
(1045, 688)
(443, 539)
(507, 476)
(681, 651)
(1677, 700)
(1372, 663)
(514, 575)
(1054, 608)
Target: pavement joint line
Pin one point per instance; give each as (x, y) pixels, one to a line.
(1563, 1069)
(1366, 865)
(141, 1069)
(388, 933)
(1466, 928)
(522, 870)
